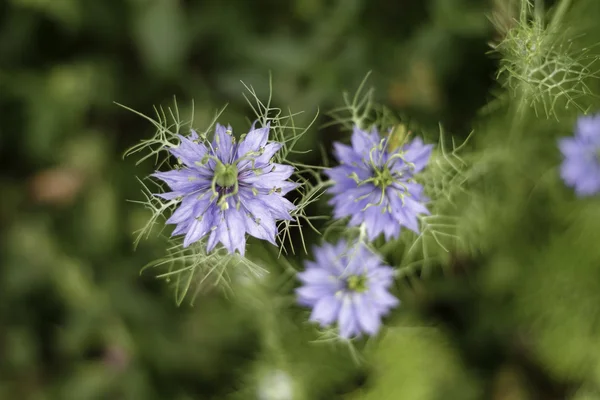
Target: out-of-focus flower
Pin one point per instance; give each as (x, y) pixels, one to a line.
(228, 189)
(117, 357)
(276, 385)
(374, 184)
(581, 164)
(348, 285)
(57, 186)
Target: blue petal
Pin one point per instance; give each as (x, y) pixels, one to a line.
(331, 258)
(415, 190)
(181, 228)
(260, 223)
(353, 201)
(175, 177)
(346, 154)
(380, 275)
(410, 220)
(375, 221)
(279, 207)
(269, 151)
(588, 128)
(404, 214)
(415, 207)
(366, 314)
(588, 185)
(347, 319)
(188, 151)
(359, 260)
(357, 219)
(201, 226)
(326, 310)
(185, 180)
(272, 176)
(573, 171)
(391, 230)
(316, 276)
(418, 153)
(254, 141)
(223, 144)
(232, 232)
(341, 177)
(571, 148)
(168, 195)
(185, 211)
(215, 236)
(382, 299)
(363, 142)
(313, 293)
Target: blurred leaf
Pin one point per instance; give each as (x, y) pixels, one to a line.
(160, 30)
(419, 364)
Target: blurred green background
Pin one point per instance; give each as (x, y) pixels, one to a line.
(78, 321)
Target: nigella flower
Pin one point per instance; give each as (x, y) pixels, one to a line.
(581, 165)
(348, 285)
(374, 184)
(228, 189)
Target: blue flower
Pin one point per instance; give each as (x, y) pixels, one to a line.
(374, 184)
(581, 165)
(228, 189)
(347, 285)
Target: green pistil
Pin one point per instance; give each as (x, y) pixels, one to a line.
(357, 283)
(383, 178)
(226, 175)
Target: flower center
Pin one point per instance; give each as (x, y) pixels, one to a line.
(357, 283)
(226, 175)
(383, 178)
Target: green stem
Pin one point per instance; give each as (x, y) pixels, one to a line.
(559, 15)
(539, 12)
(525, 5)
(518, 122)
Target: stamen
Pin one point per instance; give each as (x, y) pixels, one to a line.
(357, 283)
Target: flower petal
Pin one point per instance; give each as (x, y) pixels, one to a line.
(588, 128)
(571, 147)
(346, 154)
(259, 223)
(254, 141)
(367, 315)
(200, 226)
(326, 310)
(223, 144)
(376, 218)
(316, 276)
(268, 152)
(271, 177)
(418, 153)
(362, 141)
(313, 293)
(347, 321)
(188, 151)
(232, 233)
(382, 299)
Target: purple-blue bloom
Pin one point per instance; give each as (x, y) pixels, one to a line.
(228, 189)
(347, 284)
(374, 185)
(581, 165)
